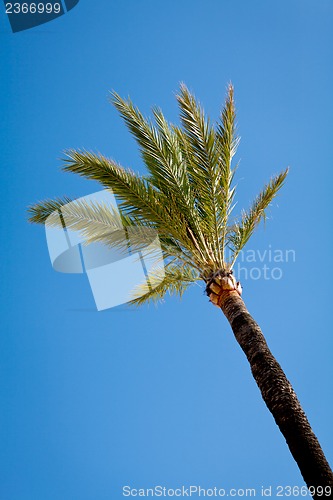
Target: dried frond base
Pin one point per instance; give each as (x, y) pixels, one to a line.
(219, 285)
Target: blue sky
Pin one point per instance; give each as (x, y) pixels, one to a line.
(92, 401)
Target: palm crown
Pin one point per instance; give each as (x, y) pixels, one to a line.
(187, 195)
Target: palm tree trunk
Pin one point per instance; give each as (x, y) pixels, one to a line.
(277, 392)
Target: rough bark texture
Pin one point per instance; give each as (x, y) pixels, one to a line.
(275, 388)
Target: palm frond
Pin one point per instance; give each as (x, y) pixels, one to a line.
(199, 142)
(227, 143)
(242, 231)
(39, 212)
(163, 157)
(226, 135)
(96, 222)
(101, 222)
(173, 279)
(137, 197)
(157, 147)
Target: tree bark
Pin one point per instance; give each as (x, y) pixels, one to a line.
(276, 391)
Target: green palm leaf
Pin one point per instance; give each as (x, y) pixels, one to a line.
(39, 212)
(207, 168)
(163, 157)
(173, 279)
(242, 231)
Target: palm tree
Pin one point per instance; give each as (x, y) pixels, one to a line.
(188, 197)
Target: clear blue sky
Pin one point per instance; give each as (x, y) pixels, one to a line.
(92, 401)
